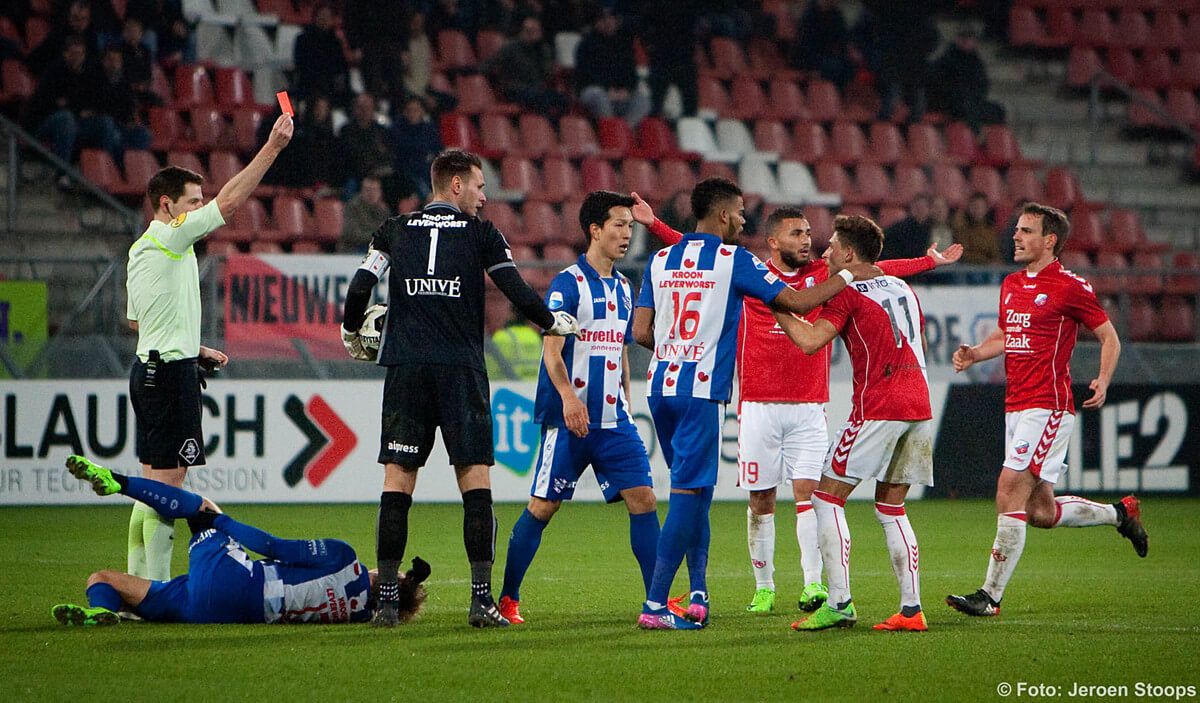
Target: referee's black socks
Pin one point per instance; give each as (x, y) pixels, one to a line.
(391, 534)
(479, 536)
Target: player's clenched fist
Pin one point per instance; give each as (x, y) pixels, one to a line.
(281, 132)
(564, 324)
(575, 415)
(963, 357)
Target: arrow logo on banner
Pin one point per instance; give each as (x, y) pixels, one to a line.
(329, 440)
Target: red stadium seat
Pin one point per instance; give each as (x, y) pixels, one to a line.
(1082, 63)
(1112, 279)
(1094, 29)
(518, 173)
(809, 143)
(306, 247)
(886, 144)
(1143, 321)
(949, 183)
(8, 30)
(1132, 29)
(233, 89)
(571, 231)
(772, 136)
(766, 61)
(710, 169)
(1166, 29)
(218, 247)
(748, 100)
(502, 216)
(1122, 65)
(36, 31)
(222, 165)
(537, 135)
(640, 175)
(488, 42)
(786, 101)
(192, 86)
(988, 180)
(832, 178)
(675, 175)
(1186, 281)
(872, 186)
(542, 223)
(562, 254)
(1124, 231)
(327, 219)
(1186, 72)
(849, 147)
(824, 101)
(1182, 105)
(289, 216)
(1002, 148)
(246, 121)
(140, 166)
(1024, 27)
(560, 179)
(1087, 234)
(598, 174)
(498, 133)
(261, 246)
(821, 222)
(1148, 276)
(98, 167)
(910, 181)
(577, 137)
(455, 129)
(1023, 184)
(925, 145)
(454, 50)
(656, 140)
(1075, 261)
(208, 127)
(1156, 69)
(475, 96)
(961, 144)
(188, 160)
(1177, 320)
(616, 136)
(17, 82)
(728, 59)
(248, 221)
(891, 214)
(165, 128)
(1061, 190)
(712, 96)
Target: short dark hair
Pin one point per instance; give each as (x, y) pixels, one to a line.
(860, 234)
(171, 182)
(711, 192)
(595, 209)
(451, 163)
(787, 212)
(1054, 221)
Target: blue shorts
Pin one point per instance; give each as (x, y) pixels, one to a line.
(689, 432)
(223, 585)
(617, 456)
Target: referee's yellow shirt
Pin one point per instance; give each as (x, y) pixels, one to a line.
(163, 284)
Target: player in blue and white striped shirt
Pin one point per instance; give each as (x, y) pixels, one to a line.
(687, 313)
(582, 399)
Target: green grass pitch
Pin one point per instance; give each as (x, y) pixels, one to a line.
(1082, 609)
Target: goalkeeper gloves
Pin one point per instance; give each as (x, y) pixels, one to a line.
(354, 346)
(564, 324)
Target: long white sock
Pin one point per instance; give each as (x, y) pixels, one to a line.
(902, 546)
(1074, 511)
(1006, 552)
(136, 557)
(835, 544)
(159, 534)
(807, 537)
(760, 534)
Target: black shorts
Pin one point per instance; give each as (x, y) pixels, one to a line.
(166, 404)
(419, 398)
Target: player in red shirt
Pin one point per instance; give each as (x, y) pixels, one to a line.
(782, 391)
(889, 434)
(1040, 310)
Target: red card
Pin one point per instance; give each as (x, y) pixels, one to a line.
(285, 103)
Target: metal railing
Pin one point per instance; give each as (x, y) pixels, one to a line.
(1104, 79)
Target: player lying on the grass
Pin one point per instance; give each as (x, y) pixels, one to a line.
(317, 580)
(583, 400)
(889, 433)
(1041, 309)
(782, 392)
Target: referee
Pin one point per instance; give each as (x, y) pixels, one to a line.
(163, 290)
(433, 350)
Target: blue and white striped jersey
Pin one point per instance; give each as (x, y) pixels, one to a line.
(604, 309)
(696, 288)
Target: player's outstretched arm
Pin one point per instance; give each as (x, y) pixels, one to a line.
(810, 337)
(644, 215)
(1110, 351)
(903, 268)
(989, 348)
(575, 413)
(235, 192)
(643, 326)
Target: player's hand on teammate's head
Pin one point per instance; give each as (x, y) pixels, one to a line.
(963, 357)
(641, 210)
(952, 254)
(864, 271)
(1099, 394)
(281, 132)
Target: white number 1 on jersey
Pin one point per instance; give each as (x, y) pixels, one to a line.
(433, 237)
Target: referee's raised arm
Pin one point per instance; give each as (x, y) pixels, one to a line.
(235, 192)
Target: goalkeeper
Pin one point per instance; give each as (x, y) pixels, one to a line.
(318, 580)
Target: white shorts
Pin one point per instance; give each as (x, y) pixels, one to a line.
(778, 441)
(892, 451)
(1037, 439)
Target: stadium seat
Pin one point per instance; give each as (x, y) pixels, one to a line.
(165, 128)
(1124, 231)
(475, 96)
(821, 222)
(1087, 234)
(262, 246)
(36, 30)
(786, 101)
(542, 223)
(656, 140)
(639, 175)
(886, 144)
(872, 186)
(733, 136)
(1166, 29)
(188, 160)
(960, 142)
(537, 135)
(1111, 278)
(824, 101)
(1132, 29)
(1156, 69)
(578, 139)
(1185, 280)
(616, 136)
(859, 210)
(140, 166)
(97, 166)
(222, 165)
(488, 42)
(248, 220)
(832, 178)
(890, 215)
(675, 175)
(1075, 260)
(748, 100)
(233, 89)
(1186, 73)
(18, 84)
(571, 231)
(562, 254)
(519, 173)
(504, 218)
(1024, 27)
(306, 247)
(796, 185)
(713, 96)
(219, 247)
(772, 136)
(1177, 320)
(560, 180)
(455, 130)
(767, 61)
(1143, 322)
(988, 180)
(695, 135)
(454, 51)
(327, 219)
(289, 216)
(1122, 65)
(1141, 114)
(1082, 63)
(948, 182)
(1002, 147)
(598, 174)
(1094, 29)
(728, 59)
(925, 145)
(192, 86)
(498, 133)
(1182, 106)
(910, 181)
(756, 177)
(1023, 185)
(208, 127)
(847, 144)
(809, 143)
(9, 31)
(565, 46)
(246, 122)
(711, 169)
(1061, 190)
(1148, 274)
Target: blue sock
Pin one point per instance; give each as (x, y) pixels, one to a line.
(697, 555)
(104, 596)
(522, 546)
(643, 538)
(168, 501)
(678, 533)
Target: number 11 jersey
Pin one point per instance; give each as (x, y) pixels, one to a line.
(881, 323)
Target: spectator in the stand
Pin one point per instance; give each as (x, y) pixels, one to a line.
(65, 109)
(453, 14)
(376, 33)
(958, 83)
(505, 16)
(139, 61)
(823, 43)
(318, 146)
(941, 234)
(119, 100)
(418, 57)
(606, 71)
(669, 34)
(909, 238)
(362, 216)
(76, 23)
(906, 37)
(975, 231)
(368, 150)
(415, 142)
(321, 67)
(522, 71)
(168, 34)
